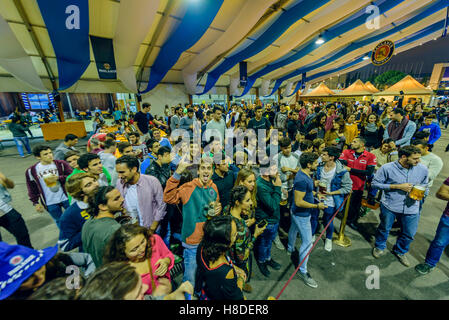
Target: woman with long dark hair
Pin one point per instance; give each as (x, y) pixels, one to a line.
(240, 202)
(147, 253)
(336, 136)
(218, 278)
(372, 131)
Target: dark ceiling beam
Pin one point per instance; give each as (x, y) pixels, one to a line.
(153, 41)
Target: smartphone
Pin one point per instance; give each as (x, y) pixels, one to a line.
(262, 224)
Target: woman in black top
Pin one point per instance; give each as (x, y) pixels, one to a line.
(217, 277)
(372, 131)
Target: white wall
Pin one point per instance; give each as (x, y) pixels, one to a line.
(165, 94)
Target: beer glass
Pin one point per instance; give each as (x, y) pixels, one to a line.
(322, 187)
(417, 192)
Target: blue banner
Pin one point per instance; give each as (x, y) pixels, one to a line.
(284, 21)
(196, 21)
(67, 22)
(104, 57)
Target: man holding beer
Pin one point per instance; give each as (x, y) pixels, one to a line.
(404, 183)
(45, 182)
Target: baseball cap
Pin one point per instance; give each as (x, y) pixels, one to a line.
(18, 263)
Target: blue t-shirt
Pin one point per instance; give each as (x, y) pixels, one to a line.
(303, 183)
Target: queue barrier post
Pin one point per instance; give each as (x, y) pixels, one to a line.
(342, 240)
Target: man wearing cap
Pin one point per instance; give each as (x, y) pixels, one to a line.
(22, 269)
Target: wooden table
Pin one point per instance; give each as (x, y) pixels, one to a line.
(58, 130)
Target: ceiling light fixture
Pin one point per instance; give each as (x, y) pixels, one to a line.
(366, 57)
(320, 40)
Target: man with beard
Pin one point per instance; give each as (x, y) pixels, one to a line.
(397, 180)
(80, 186)
(400, 129)
(99, 228)
(200, 201)
(142, 193)
(302, 207)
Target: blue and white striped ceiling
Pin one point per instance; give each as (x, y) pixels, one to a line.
(200, 43)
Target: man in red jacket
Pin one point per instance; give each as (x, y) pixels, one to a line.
(360, 164)
(46, 182)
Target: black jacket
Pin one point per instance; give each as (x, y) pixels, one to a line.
(161, 173)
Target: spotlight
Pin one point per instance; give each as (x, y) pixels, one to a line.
(320, 40)
(366, 57)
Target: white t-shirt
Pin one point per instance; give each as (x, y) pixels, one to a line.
(132, 203)
(290, 162)
(54, 194)
(327, 177)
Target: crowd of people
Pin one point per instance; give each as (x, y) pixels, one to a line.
(207, 189)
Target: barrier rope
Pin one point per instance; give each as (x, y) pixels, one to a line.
(310, 251)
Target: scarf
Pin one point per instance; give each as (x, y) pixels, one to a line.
(396, 130)
(371, 127)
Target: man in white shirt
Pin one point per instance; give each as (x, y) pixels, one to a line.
(433, 162)
(10, 219)
(46, 181)
(108, 159)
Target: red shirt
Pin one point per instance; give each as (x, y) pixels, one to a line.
(364, 160)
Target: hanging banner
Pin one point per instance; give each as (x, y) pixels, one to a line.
(197, 19)
(67, 22)
(104, 57)
(243, 73)
(382, 53)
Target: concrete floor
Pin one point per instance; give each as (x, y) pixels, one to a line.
(340, 274)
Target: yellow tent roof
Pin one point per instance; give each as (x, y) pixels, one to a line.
(371, 87)
(408, 85)
(321, 91)
(358, 88)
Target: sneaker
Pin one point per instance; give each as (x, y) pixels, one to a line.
(423, 268)
(278, 243)
(308, 280)
(377, 253)
(328, 245)
(247, 288)
(263, 269)
(273, 264)
(313, 239)
(402, 259)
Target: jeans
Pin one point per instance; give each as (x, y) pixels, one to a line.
(303, 226)
(409, 226)
(265, 241)
(14, 223)
(439, 243)
(190, 265)
(55, 210)
(22, 141)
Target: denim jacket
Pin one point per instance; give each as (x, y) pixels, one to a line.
(341, 181)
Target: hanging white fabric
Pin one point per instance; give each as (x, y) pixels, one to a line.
(15, 60)
(134, 21)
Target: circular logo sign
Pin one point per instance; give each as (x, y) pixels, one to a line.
(382, 53)
(15, 260)
(107, 66)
